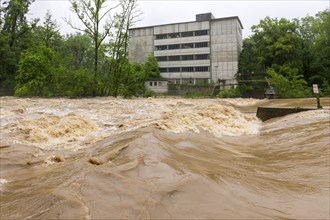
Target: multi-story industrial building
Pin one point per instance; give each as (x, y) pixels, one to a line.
(197, 52)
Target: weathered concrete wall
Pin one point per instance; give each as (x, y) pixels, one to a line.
(182, 51)
(141, 44)
(183, 75)
(182, 27)
(266, 113)
(184, 63)
(183, 40)
(157, 86)
(226, 43)
(182, 90)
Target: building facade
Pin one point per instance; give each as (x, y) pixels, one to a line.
(158, 86)
(199, 52)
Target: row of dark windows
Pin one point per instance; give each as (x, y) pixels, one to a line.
(185, 69)
(202, 81)
(184, 57)
(182, 34)
(155, 83)
(182, 46)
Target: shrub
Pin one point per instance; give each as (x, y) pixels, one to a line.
(292, 86)
(149, 93)
(230, 93)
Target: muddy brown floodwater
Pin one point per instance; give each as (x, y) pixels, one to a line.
(108, 158)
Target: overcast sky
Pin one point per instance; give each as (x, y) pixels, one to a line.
(162, 12)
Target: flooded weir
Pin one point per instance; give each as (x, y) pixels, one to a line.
(166, 158)
(266, 113)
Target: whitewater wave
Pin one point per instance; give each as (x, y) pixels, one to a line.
(53, 130)
(216, 119)
(75, 124)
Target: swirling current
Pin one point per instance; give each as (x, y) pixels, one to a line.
(162, 158)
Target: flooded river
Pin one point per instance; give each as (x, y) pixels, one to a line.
(108, 158)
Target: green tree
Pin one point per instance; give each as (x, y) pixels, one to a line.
(282, 47)
(73, 82)
(133, 76)
(136, 74)
(78, 51)
(132, 80)
(251, 74)
(14, 38)
(290, 86)
(41, 73)
(248, 62)
(91, 13)
(306, 33)
(36, 73)
(276, 43)
(320, 65)
(48, 34)
(14, 19)
(119, 44)
(151, 69)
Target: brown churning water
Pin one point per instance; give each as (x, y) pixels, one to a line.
(108, 158)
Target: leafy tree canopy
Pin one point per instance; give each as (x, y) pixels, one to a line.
(295, 51)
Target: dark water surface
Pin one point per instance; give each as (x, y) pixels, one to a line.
(109, 158)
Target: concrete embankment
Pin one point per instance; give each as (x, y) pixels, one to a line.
(266, 113)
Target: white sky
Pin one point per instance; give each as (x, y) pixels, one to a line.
(162, 12)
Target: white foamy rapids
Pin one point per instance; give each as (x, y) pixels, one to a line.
(74, 124)
(217, 119)
(53, 130)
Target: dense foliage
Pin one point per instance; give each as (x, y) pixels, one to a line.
(36, 60)
(291, 54)
(229, 93)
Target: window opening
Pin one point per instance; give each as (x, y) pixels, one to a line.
(174, 46)
(201, 32)
(161, 47)
(202, 56)
(161, 36)
(174, 35)
(174, 58)
(187, 69)
(187, 34)
(174, 69)
(164, 58)
(187, 57)
(187, 46)
(163, 70)
(201, 44)
(201, 69)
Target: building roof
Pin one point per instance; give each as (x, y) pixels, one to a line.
(227, 18)
(216, 19)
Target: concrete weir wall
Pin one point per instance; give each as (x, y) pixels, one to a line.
(265, 113)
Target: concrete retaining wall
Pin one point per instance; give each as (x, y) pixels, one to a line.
(265, 113)
(182, 90)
